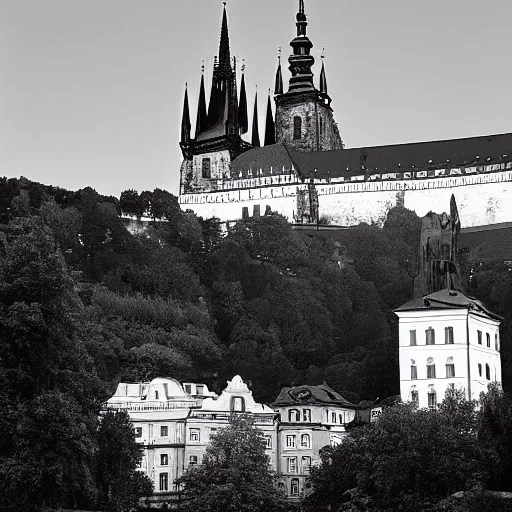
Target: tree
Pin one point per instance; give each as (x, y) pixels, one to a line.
(120, 483)
(234, 475)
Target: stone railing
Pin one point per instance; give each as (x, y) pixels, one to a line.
(154, 406)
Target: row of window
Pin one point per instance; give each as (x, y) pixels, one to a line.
(431, 368)
(291, 441)
(294, 415)
(293, 464)
(430, 337)
(431, 398)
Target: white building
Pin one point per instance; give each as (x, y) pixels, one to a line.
(159, 411)
(447, 339)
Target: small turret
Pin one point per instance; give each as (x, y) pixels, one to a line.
(243, 117)
(323, 79)
(255, 131)
(278, 89)
(185, 120)
(201, 107)
(270, 127)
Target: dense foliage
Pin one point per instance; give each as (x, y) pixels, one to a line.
(412, 460)
(234, 475)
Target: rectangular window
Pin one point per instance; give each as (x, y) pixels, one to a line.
(195, 435)
(290, 441)
(192, 460)
(414, 372)
(164, 482)
(496, 345)
(297, 128)
(479, 333)
(306, 464)
(188, 389)
(164, 431)
(432, 399)
(448, 335)
(206, 171)
(138, 431)
(333, 417)
(488, 339)
(450, 370)
(164, 459)
(268, 442)
(200, 389)
(293, 415)
(415, 398)
(294, 487)
(292, 464)
(430, 336)
(431, 371)
(412, 338)
(306, 413)
(479, 369)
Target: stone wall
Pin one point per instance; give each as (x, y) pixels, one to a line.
(481, 198)
(192, 170)
(316, 135)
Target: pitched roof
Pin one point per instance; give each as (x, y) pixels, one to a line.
(494, 241)
(270, 159)
(322, 394)
(376, 159)
(446, 299)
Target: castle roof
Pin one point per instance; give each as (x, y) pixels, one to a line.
(449, 299)
(320, 395)
(481, 150)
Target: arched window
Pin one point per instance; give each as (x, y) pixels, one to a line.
(297, 128)
(305, 441)
(414, 370)
(488, 338)
(431, 368)
(430, 335)
(450, 367)
(293, 415)
(448, 335)
(294, 487)
(206, 170)
(487, 372)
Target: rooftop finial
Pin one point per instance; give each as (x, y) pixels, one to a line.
(243, 65)
(202, 66)
(323, 51)
(301, 6)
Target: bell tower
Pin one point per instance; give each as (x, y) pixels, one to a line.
(304, 116)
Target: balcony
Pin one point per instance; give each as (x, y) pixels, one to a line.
(154, 406)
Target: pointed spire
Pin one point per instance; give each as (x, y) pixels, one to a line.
(270, 127)
(323, 79)
(279, 77)
(224, 54)
(185, 120)
(255, 131)
(201, 107)
(243, 117)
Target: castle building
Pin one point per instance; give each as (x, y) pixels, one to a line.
(447, 339)
(305, 173)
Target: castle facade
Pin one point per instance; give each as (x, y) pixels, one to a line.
(303, 170)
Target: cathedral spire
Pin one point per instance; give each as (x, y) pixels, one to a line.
(278, 89)
(323, 79)
(255, 131)
(270, 127)
(201, 107)
(224, 54)
(243, 118)
(301, 61)
(185, 120)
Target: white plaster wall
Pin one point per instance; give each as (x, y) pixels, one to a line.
(420, 321)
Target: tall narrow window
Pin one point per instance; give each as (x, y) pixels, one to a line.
(268, 441)
(237, 404)
(206, 170)
(306, 413)
(293, 415)
(496, 345)
(431, 368)
(321, 126)
(305, 441)
(333, 417)
(297, 128)
(487, 372)
(448, 335)
(414, 370)
(164, 482)
(290, 441)
(164, 459)
(164, 431)
(479, 333)
(306, 464)
(432, 399)
(488, 339)
(430, 336)
(294, 487)
(292, 464)
(414, 397)
(156, 395)
(450, 367)
(479, 369)
(412, 338)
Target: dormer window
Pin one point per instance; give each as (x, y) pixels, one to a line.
(237, 404)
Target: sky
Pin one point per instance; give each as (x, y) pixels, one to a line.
(91, 91)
